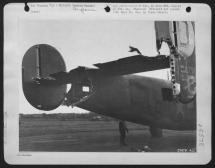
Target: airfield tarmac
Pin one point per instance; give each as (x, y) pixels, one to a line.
(38, 134)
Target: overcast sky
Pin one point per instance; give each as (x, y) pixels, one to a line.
(84, 43)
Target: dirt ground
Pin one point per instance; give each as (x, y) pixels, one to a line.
(97, 136)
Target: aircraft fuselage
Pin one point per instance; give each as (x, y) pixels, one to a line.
(139, 99)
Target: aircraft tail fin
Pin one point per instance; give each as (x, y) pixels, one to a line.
(41, 89)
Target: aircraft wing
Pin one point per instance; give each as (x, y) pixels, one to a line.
(134, 64)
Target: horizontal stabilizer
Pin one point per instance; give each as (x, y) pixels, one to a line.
(75, 75)
(134, 64)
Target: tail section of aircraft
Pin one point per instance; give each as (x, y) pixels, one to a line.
(44, 75)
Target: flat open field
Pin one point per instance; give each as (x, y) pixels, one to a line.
(38, 134)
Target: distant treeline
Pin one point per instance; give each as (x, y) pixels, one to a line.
(68, 116)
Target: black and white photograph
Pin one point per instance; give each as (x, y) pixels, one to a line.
(113, 88)
(106, 85)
